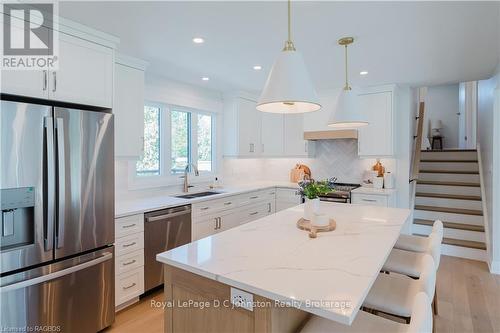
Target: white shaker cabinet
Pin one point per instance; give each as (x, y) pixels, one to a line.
(128, 107)
(242, 124)
(272, 134)
(85, 73)
(376, 139)
(293, 136)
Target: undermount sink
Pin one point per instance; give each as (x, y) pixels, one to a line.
(197, 195)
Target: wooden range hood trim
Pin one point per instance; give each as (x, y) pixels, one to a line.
(331, 135)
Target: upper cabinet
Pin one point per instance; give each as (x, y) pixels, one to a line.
(128, 107)
(375, 105)
(251, 133)
(84, 72)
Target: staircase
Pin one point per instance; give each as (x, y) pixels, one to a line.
(449, 189)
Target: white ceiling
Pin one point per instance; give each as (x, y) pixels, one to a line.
(416, 43)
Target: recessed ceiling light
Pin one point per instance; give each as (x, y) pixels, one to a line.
(198, 40)
(205, 78)
(363, 73)
(257, 67)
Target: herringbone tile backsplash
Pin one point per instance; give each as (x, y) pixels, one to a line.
(333, 158)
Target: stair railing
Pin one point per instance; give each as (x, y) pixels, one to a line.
(417, 138)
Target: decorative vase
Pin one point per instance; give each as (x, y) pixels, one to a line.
(311, 207)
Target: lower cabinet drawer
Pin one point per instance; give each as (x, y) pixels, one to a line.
(256, 212)
(129, 261)
(373, 200)
(129, 244)
(129, 285)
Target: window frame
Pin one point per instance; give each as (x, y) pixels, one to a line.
(166, 177)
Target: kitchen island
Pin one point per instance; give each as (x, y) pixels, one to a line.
(285, 274)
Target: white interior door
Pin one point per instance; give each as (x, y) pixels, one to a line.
(467, 115)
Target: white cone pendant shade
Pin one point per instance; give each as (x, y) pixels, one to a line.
(346, 114)
(288, 88)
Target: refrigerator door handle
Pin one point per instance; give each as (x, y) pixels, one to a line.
(48, 236)
(51, 276)
(61, 179)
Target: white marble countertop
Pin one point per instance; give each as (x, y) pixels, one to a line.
(125, 207)
(376, 191)
(270, 257)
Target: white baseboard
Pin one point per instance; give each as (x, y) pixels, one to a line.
(464, 252)
(494, 267)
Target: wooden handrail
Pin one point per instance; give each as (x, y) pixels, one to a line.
(418, 143)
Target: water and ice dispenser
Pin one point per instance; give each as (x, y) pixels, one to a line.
(18, 221)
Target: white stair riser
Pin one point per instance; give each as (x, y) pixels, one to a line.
(449, 166)
(449, 203)
(448, 217)
(453, 156)
(449, 177)
(458, 190)
(463, 252)
(476, 236)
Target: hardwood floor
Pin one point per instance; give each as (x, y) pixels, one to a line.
(468, 295)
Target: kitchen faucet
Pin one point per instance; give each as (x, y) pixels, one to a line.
(196, 173)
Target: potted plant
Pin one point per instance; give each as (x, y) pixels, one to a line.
(311, 190)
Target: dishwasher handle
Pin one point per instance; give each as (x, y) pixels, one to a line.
(166, 216)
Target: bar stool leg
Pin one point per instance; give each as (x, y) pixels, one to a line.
(435, 303)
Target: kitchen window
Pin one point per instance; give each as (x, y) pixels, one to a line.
(175, 137)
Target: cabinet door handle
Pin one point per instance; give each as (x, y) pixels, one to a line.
(369, 200)
(129, 245)
(227, 203)
(128, 287)
(54, 75)
(129, 262)
(45, 80)
(128, 226)
(254, 213)
(262, 147)
(220, 222)
(269, 207)
(216, 220)
(254, 197)
(252, 148)
(203, 208)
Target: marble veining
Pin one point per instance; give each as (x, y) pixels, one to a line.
(270, 257)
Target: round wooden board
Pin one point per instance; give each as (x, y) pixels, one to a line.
(306, 225)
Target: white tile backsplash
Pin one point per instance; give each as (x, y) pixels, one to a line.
(334, 158)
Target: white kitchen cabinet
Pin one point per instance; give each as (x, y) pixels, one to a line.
(242, 124)
(129, 259)
(128, 107)
(272, 134)
(32, 83)
(376, 139)
(286, 198)
(204, 226)
(85, 73)
(374, 197)
(293, 136)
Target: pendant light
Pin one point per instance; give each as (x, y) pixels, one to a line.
(346, 113)
(289, 88)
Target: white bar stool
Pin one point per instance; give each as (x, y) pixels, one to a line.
(394, 294)
(421, 321)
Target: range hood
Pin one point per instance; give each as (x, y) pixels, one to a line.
(331, 135)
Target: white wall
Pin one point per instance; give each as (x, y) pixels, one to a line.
(442, 103)
(489, 139)
(163, 90)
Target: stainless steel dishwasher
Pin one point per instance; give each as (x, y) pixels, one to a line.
(163, 230)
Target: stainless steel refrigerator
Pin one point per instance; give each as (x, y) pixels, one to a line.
(57, 203)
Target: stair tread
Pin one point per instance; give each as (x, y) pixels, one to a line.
(457, 172)
(442, 183)
(450, 210)
(464, 243)
(448, 150)
(451, 225)
(448, 161)
(448, 196)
